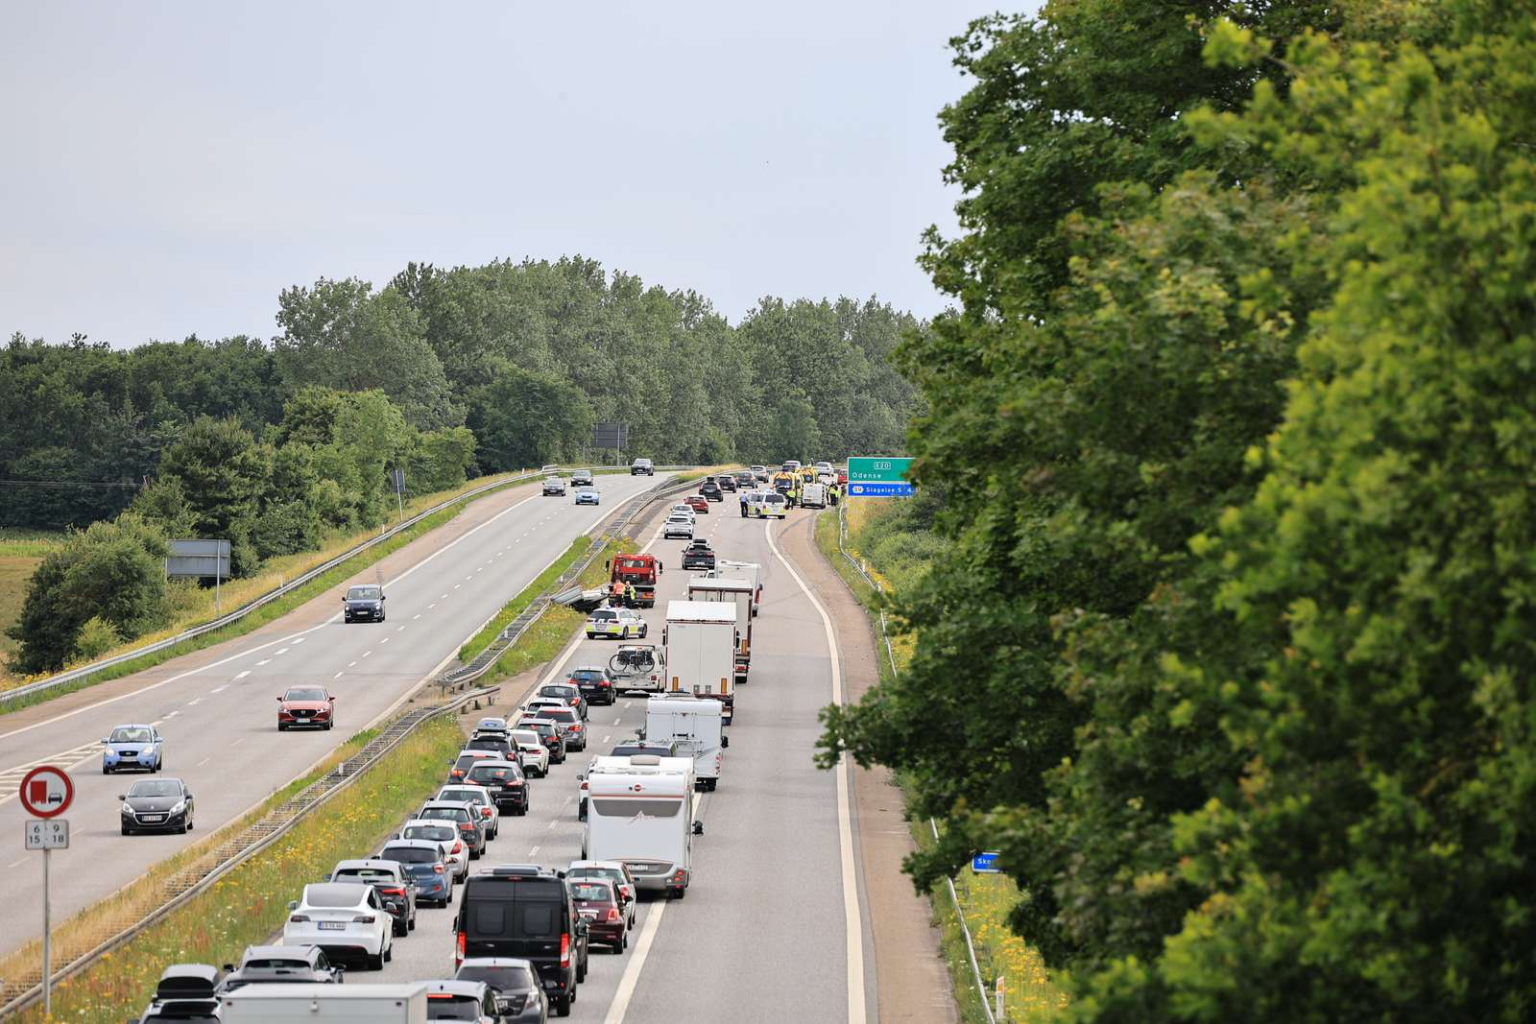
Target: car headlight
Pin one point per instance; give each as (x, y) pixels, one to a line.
(181, 805)
(127, 810)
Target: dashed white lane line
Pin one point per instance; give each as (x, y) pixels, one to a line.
(616, 721)
(351, 663)
(338, 675)
(381, 644)
(19, 863)
(242, 675)
(300, 640)
(607, 738)
(564, 802)
(440, 597)
(264, 661)
(416, 616)
(219, 689)
(469, 577)
(399, 629)
(431, 606)
(194, 701)
(281, 652)
(365, 654)
(530, 854)
(553, 823)
(238, 742)
(202, 762)
(456, 586)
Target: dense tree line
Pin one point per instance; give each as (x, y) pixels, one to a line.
(1229, 653)
(529, 356)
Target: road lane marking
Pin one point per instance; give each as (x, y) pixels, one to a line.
(242, 675)
(852, 920)
(202, 762)
(19, 863)
(351, 663)
(530, 853)
(219, 689)
(264, 661)
(366, 653)
(399, 629)
(291, 638)
(456, 586)
(441, 597)
(381, 644)
(431, 606)
(607, 738)
(416, 616)
(280, 653)
(194, 701)
(626, 989)
(238, 742)
(338, 675)
(300, 640)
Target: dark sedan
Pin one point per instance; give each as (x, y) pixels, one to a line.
(598, 902)
(595, 684)
(157, 805)
(396, 888)
(519, 996)
(506, 782)
(549, 735)
(698, 555)
(711, 490)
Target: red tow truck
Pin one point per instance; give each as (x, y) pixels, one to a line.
(639, 571)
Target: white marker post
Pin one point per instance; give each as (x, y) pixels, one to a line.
(46, 793)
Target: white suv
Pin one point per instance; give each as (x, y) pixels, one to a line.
(535, 753)
(342, 918)
(677, 526)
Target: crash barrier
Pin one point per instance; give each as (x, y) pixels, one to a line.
(18, 994)
(84, 671)
(890, 653)
(460, 675)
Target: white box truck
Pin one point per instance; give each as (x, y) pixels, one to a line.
(695, 726)
(643, 816)
(734, 592)
(700, 646)
(750, 571)
(352, 1004)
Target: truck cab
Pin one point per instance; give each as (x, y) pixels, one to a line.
(639, 571)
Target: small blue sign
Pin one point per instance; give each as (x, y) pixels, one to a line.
(985, 863)
(879, 490)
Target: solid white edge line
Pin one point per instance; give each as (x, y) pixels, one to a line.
(626, 990)
(236, 657)
(852, 919)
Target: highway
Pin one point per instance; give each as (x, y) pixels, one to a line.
(217, 710)
(763, 934)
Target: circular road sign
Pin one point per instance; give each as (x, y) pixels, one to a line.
(46, 791)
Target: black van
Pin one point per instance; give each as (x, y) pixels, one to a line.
(523, 910)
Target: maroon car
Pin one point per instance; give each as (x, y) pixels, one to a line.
(697, 502)
(306, 706)
(597, 901)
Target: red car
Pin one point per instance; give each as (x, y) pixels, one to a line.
(697, 502)
(597, 901)
(306, 706)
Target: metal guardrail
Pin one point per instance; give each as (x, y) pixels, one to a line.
(236, 849)
(890, 653)
(482, 662)
(84, 671)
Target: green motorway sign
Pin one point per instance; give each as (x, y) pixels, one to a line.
(878, 477)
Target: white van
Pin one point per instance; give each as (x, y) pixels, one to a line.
(352, 1004)
(695, 726)
(813, 496)
(644, 817)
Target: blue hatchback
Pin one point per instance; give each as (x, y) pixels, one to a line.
(423, 862)
(140, 747)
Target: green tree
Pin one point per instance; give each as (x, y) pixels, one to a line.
(523, 419)
(792, 429)
(114, 572)
(223, 476)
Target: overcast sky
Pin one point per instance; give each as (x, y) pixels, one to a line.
(169, 167)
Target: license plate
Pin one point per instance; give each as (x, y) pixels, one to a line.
(331, 926)
(152, 817)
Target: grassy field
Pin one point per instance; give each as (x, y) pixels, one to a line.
(986, 900)
(250, 903)
(20, 552)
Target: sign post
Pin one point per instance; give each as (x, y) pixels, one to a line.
(46, 793)
(879, 478)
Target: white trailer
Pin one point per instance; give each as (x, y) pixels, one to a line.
(644, 817)
(695, 726)
(344, 1004)
(700, 645)
(749, 571)
(734, 592)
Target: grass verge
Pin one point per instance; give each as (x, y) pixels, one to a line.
(246, 906)
(21, 551)
(984, 899)
(515, 607)
(260, 617)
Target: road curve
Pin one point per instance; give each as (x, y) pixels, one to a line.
(216, 707)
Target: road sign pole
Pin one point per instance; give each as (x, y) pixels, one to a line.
(47, 951)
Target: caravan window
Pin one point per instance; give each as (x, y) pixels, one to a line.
(630, 807)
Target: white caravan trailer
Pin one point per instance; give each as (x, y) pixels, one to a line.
(644, 817)
(333, 1004)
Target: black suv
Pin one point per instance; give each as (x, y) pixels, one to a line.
(642, 467)
(698, 555)
(363, 604)
(526, 911)
(505, 780)
(595, 684)
(711, 490)
(727, 483)
(549, 735)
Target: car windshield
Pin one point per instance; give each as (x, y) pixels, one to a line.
(305, 693)
(441, 1006)
(493, 774)
(587, 675)
(526, 737)
(567, 692)
(132, 734)
(503, 979)
(565, 715)
(156, 788)
(467, 796)
(408, 855)
(334, 894)
(435, 833)
(466, 761)
(272, 964)
(590, 891)
(445, 813)
(364, 594)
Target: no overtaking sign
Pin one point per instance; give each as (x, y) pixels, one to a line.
(46, 791)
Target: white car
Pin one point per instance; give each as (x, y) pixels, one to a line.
(543, 702)
(476, 795)
(768, 505)
(535, 753)
(342, 918)
(677, 527)
(686, 511)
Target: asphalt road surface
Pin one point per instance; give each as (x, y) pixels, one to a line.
(217, 711)
(762, 934)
